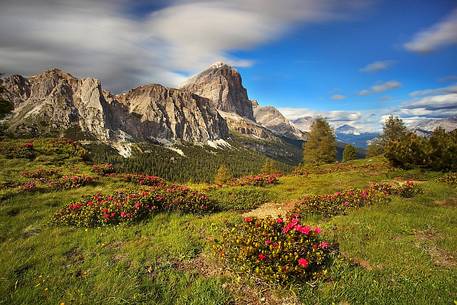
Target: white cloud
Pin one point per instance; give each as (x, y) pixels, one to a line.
(338, 97)
(106, 40)
(443, 90)
(435, 102)
(442, 34)
(382, 87)
(377, 66)
(363, 120)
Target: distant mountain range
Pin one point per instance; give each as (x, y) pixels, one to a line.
(211, 108)
(426, 126)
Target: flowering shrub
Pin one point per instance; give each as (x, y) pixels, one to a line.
(122, 207)
(70, 182)
(103, 169)
(29, 186)
(449, 178)
(257, 180)
(276, 250)
(340, 202)
(144, 179)
(407, 190)
(40, 173)
(18, 150)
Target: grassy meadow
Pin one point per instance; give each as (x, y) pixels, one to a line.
(401, 252)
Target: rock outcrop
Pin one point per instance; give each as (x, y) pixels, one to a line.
(271, 118)
(171, 114)
(222, 84)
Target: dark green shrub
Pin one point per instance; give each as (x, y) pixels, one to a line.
(449, 178)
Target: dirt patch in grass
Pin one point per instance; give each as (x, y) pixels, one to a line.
(449, 202)
(426, 239)
(272, 209)
(361, 262)
(243, 289)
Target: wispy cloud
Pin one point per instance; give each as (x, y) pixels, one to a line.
(338, 97)
(178, 38)
(442, 34)
(443, 90)
(381, 87)
(448, 78)
(377, 66)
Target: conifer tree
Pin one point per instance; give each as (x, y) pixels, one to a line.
(321, 144)
(223, 175)
(269, 167)
(349, 153)
(394, 131)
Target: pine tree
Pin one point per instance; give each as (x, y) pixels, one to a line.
(223, 175)
(269, 167)
(321, 144)
(394, 130)
(349, 153)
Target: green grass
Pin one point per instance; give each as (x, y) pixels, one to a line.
(403, 252)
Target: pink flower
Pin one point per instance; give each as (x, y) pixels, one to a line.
(123, 214)
(303, 262)
(279, 220)
(346, 203)
(267, 242)
(137, 205)
(317, 230)
(323, 245)
(303, 229)
(262, 257)
(247, 219)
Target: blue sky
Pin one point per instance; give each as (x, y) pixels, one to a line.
(351, 61)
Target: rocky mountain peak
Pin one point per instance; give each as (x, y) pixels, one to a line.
(222, 84)
(55, 102)
(274, 120)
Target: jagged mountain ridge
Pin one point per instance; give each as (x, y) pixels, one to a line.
(426, 126)
(55, 101)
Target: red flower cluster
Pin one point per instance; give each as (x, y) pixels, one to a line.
(70, 182)
(131, 206)
(275, 249)
(144, 179)
(103, 169)
(257, 180)
(340, 202)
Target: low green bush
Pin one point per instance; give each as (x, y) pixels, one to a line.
(449, 178)
(239, 198)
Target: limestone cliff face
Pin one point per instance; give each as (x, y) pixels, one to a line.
(55, 102)
(271, 118)
(171, 114)
(222, 84)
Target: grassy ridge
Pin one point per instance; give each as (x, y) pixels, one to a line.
(403, 252)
